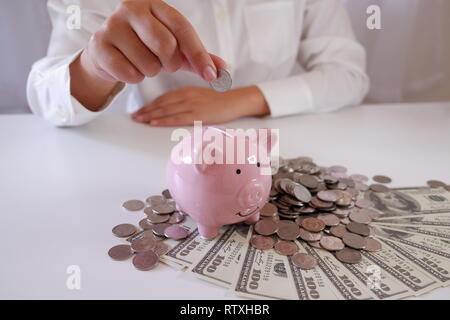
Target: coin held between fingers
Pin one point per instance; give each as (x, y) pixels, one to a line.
(222, 82)
(209, 73)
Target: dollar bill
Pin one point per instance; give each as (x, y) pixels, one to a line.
(405, 270)
(434, 220)
(220, 262)
(410, 202)
(439, 232)
(263, 274)
(174, 264)
(389, 281)
(436, 266)
(191, 249)
(347, 286)
(434, 245)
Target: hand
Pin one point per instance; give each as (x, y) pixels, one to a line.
(141, 39)
(186, 105)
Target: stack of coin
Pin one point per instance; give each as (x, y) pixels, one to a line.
(320, 206)
(147, 244)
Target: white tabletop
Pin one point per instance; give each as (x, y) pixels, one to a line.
(61, 190)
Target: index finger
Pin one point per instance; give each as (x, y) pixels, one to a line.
(188, 40)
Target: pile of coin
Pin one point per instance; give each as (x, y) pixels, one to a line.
(321, 207)
(146, 243)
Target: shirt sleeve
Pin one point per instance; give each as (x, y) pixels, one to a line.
(48, 86)
(334, 62)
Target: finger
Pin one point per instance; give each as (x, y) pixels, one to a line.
(159, 40)
(179, 119)
(162, 112)
(188, 40)
(218, 62)
(137, 53)
(113, 62)
(102, 73)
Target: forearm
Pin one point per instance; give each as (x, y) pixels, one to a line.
(88, 88)
(251, 101)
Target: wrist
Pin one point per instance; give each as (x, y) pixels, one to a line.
(252, 102)
(86, 86)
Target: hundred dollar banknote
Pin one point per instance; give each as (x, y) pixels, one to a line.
(220, 262)
(410, 202)
(191, 249)
(382, 275)
(434, 245)
(263, 274)
(436, 266)
(346, 285)
(404, 270)
(434, 220)
(433, 231)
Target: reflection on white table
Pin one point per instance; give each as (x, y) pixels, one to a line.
(61, 190)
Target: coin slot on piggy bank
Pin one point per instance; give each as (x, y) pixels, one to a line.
(221, 176)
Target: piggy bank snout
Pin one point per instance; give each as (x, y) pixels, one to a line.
(251, 194)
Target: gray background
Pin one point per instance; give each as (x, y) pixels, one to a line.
(24, 34)
(25, 29)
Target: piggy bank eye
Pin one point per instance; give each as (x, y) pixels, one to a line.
(238, 171)
(258, 164)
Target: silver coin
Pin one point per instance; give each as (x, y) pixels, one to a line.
(156, 218)
(154, 200)
(266, 227)
(143, 234)
(124, 230)
(146, 224)
(331, 243)
(133, 205)
(163, 208)
(145, 260)
(120, 252)
(360, 217)
(223, 82)
(158, 229)
(304, 261)
(262, 242)
(176, 232)
(143, 244)
(176, 217)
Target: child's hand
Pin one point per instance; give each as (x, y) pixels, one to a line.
(186, 105)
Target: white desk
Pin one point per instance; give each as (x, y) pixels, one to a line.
(61, 190)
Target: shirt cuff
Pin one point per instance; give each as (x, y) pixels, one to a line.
(287, 96)
(80, 114)
(49, 94)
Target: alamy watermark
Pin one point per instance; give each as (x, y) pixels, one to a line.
(373, 273)
(73, 21)
(73, 281)
(373, 22)
(204, 146)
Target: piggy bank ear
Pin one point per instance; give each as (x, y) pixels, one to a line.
(207, 156)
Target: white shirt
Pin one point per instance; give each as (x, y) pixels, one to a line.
(302, 55)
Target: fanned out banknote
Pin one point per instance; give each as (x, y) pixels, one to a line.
(413, 228)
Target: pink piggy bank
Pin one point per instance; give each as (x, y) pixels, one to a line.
(221, 176)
